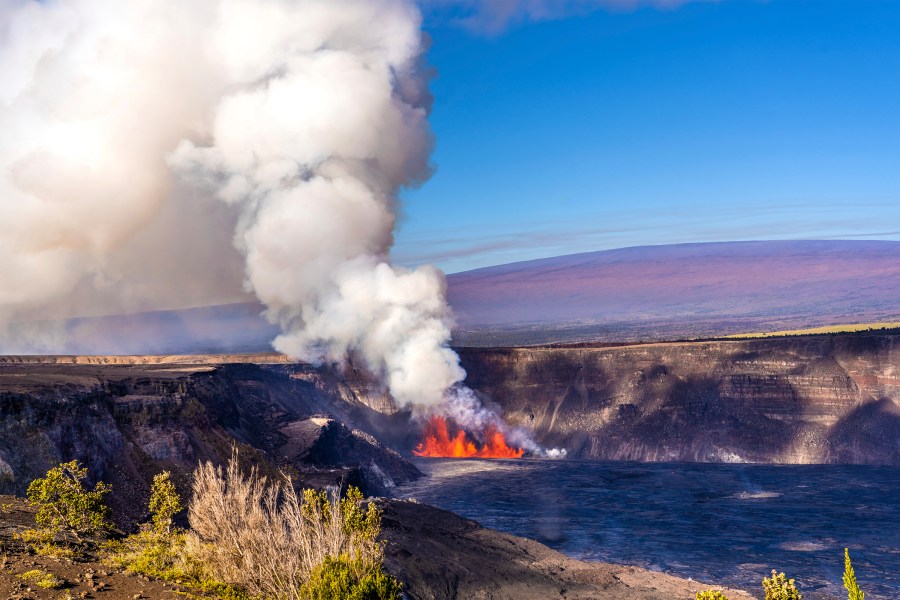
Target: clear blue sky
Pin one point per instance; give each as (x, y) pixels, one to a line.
(705, 122)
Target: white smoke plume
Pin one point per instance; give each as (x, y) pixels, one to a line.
(303, 118)
(94, 95)
(325, 119)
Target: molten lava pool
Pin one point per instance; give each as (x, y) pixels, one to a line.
(438, 443)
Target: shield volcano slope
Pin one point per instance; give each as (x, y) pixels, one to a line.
(677, 291)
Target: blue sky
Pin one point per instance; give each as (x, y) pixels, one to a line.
(703, 122)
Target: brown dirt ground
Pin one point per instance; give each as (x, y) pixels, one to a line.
(83, 578)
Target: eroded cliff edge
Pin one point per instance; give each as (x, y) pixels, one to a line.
(127, 418)
(812, 399)
(807, 399)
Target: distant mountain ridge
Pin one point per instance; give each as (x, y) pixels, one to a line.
(677, 291)
(642, 293)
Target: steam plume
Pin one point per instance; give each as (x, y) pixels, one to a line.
(304, 118)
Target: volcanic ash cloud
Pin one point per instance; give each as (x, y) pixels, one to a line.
(323, 122)
(303, 118)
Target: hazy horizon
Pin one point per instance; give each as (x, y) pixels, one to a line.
(568, 127)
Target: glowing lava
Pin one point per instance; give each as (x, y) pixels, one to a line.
(439, 444)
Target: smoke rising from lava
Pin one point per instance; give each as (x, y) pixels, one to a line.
(465, 409)
(303, 118)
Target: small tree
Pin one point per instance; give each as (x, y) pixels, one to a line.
(158, 549)
(165, 502)
(65, 504)
(780, 588)
(853, 591)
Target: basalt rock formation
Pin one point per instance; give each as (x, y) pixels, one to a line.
(441, 556)
(128, 421)
(806, 399)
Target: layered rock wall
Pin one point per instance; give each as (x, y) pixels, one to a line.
(809, 399)
(126, 422)
(816, 399)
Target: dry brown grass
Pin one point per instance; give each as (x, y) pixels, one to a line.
(261, 536)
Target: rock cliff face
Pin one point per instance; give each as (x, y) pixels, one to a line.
(810, 399)
(816, 399)
(126, 422)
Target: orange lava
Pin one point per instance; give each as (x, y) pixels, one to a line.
(439, 444)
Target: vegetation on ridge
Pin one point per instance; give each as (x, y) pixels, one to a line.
(846, 328)
(268, 540)
(42, 579)
(66, 510)
(778, 587)
(711, 595)
(250, 538)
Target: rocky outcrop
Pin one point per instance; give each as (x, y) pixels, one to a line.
(808, 399)
(126, 422)
(441, 556)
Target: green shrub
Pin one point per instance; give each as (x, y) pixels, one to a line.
(159, 549)
(361, 525)
(42, 579)
(365, 524)
(66, 505)
(344, 578)
(780, 588)
(271, 541)
(253, 539)
(41, 543)
(164, 556)
(853, 591)
(165, 502)
(148, 553)
(711, 595)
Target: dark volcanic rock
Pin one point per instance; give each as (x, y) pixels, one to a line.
(325, 442)
(126, 422)
(441, 556)
(810, 399)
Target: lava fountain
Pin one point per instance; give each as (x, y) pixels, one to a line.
(438, 443)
